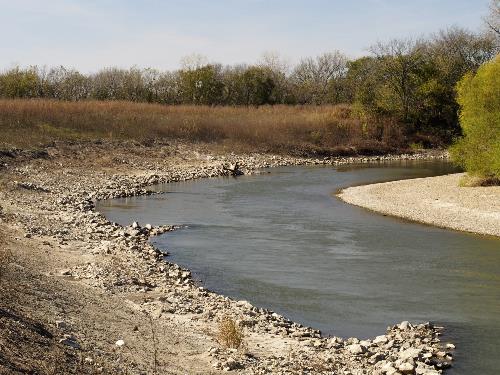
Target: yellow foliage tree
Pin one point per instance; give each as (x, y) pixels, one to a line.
(478, 151)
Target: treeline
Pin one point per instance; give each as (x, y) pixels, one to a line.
(412, 81)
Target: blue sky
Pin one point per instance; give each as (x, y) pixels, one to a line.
(91, 34)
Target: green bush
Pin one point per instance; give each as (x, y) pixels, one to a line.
(478, 151)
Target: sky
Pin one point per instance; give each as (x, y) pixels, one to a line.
(91, 34)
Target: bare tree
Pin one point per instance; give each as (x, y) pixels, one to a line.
(461, 50)
(193, 61)
(280, 70)
(274, 61)
(313, 76)
(493, 19)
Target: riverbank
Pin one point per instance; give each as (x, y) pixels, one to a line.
(439, 201)
(92, 296)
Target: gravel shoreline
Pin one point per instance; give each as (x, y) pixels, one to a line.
(52, 201)
(439, 201)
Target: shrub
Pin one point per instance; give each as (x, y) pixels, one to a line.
(479, 98)
(230, 334)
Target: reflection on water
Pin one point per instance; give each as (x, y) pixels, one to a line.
(281, 241)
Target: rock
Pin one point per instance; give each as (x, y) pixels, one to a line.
(156, 314)
(70, 341)
(423, 369)
(410, 353)
(388, 368)
(135, 225)
(230, 364)
(61, 324)
(450, 346)
(65, 272)
(406, 368)
(365, 343)
(120, 343)
(403, 326)
(377, 357)
(245, 304)
(148, 226)
(356, 349)
(389, 345)
(381, 339)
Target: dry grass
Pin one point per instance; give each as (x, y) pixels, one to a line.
(293, 129)
(230, 334)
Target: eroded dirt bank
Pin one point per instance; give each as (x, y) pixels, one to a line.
(439, 201)
(82, 295)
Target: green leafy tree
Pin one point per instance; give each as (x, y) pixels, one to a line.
(203, 85)
(479, 99)
(447, 56)
(258, 85)
(399, 61)
(19, 83)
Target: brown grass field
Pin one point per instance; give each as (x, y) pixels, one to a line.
(321, 130)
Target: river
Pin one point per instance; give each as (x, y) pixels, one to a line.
(283, 241)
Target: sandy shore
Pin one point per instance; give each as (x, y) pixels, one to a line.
(82, 295)
(437, 201)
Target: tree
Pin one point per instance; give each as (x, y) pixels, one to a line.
(399, 61)
(202, 85)
(449, 55)
(19, 83)
(312, 77)
(108, 84)
(258, 86)
(361, 82)
(66, 84)
(279, 69)
(479, 97)
(493, 19)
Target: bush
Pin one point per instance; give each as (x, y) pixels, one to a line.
(479, 98)
(230, 334)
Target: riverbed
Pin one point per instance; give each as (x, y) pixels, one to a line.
(282, 240)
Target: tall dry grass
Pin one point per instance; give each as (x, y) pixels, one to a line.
(296, 129)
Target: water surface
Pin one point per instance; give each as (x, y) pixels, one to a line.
(282, 240)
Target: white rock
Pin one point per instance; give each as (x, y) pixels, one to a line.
(120, 343)
(404, 325)
(356, 349)
(244, 304)
(365, 343)
(410, 353)
(388, 368)
(380, 339)
(406, 368)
